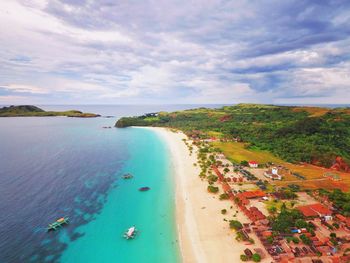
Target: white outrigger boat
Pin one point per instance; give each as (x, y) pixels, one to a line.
(130, 233)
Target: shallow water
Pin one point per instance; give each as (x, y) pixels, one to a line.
(55, 166)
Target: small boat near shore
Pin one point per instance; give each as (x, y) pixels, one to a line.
(58, 223)
(145, 188)
(128, 176)
(130, 233)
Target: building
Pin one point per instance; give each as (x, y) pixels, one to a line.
(253, 164)
(273, 174)
(315, 210)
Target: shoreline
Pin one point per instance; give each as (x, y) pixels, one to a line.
(203, 234)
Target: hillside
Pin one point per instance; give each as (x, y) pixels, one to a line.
(33, 111)
(294, 134)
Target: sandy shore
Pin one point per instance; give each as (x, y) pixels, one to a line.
(204, 235)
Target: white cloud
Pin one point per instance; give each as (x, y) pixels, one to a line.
(20, 88)
(198, 52)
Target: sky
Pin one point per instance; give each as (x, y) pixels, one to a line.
(178, 52)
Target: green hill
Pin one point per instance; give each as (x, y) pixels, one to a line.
(295, 134)
(33, 111)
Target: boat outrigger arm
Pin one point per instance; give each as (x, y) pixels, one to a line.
(58, 223)
(130, 233)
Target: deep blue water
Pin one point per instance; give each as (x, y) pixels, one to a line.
(56, 166)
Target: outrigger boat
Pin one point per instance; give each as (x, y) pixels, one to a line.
(127, 176)
(58, 223)
(130, 233)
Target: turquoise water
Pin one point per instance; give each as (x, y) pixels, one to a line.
(151, 212)
(53, 167)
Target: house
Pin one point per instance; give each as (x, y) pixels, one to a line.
(253, 164)
(344, 221)
(251, 194)
(315, 210)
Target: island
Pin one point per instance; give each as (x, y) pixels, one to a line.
(258, 183)
(33, 111)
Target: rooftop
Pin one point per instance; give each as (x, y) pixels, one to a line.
(314, 210)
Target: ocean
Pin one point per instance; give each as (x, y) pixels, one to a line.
(56, 166)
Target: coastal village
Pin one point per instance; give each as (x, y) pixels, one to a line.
(276, 218)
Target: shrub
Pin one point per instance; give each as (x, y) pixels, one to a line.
(244, 257)
(212, 178)
(269, 239)
(244, 163)
(224, 196)
(256, 257)
(336, 225)
(295, 240)
(234, 224)
(223, 211)
(305, 239)
(300, 223)
(213, 189)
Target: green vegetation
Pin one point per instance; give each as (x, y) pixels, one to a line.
(224, 196)
(293, 239)
(340, 200)
(223, 211)
(236, 225)
(285, 220)
(33, 111)
(212, 178)
(244, 257)
(305, 239)
(256, 257)
(294, 134)
(213, 189)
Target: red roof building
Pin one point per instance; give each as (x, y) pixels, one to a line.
(314, 210)
(253, 164)
(251, 194)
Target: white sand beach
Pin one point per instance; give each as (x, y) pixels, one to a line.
(204, 235)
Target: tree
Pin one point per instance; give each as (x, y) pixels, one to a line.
(300, 223)
(295, 240)
(223, 211)
(244, 257)
(224, 196)
(285, 220)
(236, 225)
(226, 170)
(305, 239)
(269, 239)
(213, 189)
(244, 163)
(212, 178)
(272, 210)
(256, 257)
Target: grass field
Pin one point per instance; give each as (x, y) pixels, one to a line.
(278, 204)
(238, 152)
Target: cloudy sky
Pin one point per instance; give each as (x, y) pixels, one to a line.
(208, 51)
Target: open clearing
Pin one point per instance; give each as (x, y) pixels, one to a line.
(237, 152)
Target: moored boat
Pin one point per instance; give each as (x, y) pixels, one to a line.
(127, 176)
(145, 188)
(130, 233)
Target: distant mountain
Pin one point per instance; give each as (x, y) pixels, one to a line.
(33, 111)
